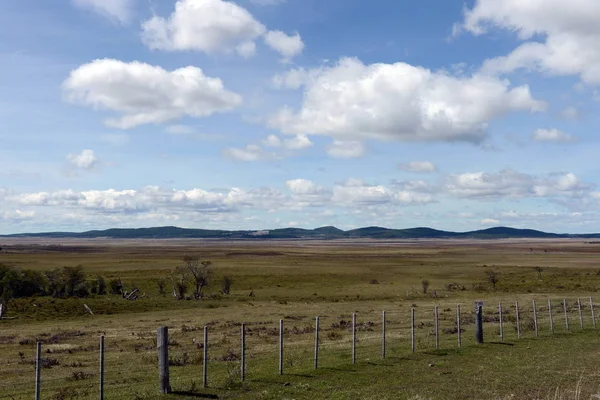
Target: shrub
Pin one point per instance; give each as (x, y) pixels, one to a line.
(226, 285)
(101, 285)
(425, 285)
(116, 286)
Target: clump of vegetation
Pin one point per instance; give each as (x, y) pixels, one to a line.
(226, 283)
(425, 285)
(539, 271)
(493, 277)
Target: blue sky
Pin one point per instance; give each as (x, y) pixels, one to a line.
(262, 114)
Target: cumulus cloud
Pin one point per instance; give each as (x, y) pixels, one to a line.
(511, 184)
(215, 26)
(354, 101)
(552, 135)
(418, 167)
(115, 10)
(85, 160)
(346, 149)
(298, 142)
(145, 94)
(569, 31)
(489, 221)
(288, 46)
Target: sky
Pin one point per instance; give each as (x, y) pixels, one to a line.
(263, 114)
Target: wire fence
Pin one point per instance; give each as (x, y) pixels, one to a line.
(69, 364)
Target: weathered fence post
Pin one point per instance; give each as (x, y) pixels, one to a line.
(38, 370)
(458, 324)
(412, 329)
(592, 308)
(437, 328)
(354, 338)
(383, 335)
(280, 347)
(162, 346)
(566, 314)
(535, 322)
(580, 314)
(102, 367)
(518, 321)
(479, 322)
(205, 359)
(500, 321)
(316, 342)
(550, 313)
(243, 353)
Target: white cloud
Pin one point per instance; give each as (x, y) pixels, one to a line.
(251, 152)
(272, 141)
(357, 193)
(288, 46)
(569, 30)
(570, 112)
(298, 142)
(552, 135)
(215, 26)
(418, 167)
(85, 160)
(353, 101)
(115, 10)
(510, 184)
(346, 149)
(489, 221)
(146, 94)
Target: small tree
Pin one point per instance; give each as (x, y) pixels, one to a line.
(539, 271)
(101, 285)
(116, 286)
(200, 271)
(425, 285)
(179, 279)
(161, 287)
(73, 277)
(493, 277)
(226, 285)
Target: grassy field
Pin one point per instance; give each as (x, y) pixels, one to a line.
(296, 281)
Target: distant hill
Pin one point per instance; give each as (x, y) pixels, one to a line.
(323, 233)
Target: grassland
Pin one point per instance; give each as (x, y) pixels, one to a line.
(296, 281)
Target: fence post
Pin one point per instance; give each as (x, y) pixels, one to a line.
(38, 369)
(592, 308)
(243, 353)
(383, 335)
(458, 324)
(437, 328)
(205, 359)
(566, 314)
(500, 321)
(580, 314)
(354, 338)
(412, 329)
(550, 313)
(479, 323)
(535, 322)
(280, 347)
(518, 321)
(162, 346)
(102, 367)
(316, 342)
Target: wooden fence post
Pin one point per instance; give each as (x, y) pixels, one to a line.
(535, 322)
(162, 346)
(458, 324)
(243, 353)
(354, 338)
(566, 314)
(518, 321)
(316, 342)
(479, 323)
(102, 367)
(592, 308)
(437, 328)
(205, 359)
(412, 329)
(280, 347)
(550, 313)
(500, 321)
(580, 314)
(383, 335)
(38, 370)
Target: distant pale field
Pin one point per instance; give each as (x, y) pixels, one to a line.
(296, 281)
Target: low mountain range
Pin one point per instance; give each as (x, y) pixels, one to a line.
(323, 233)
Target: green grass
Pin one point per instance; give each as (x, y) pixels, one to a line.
(296, 282)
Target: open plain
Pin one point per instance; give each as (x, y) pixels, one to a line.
(297, 281)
